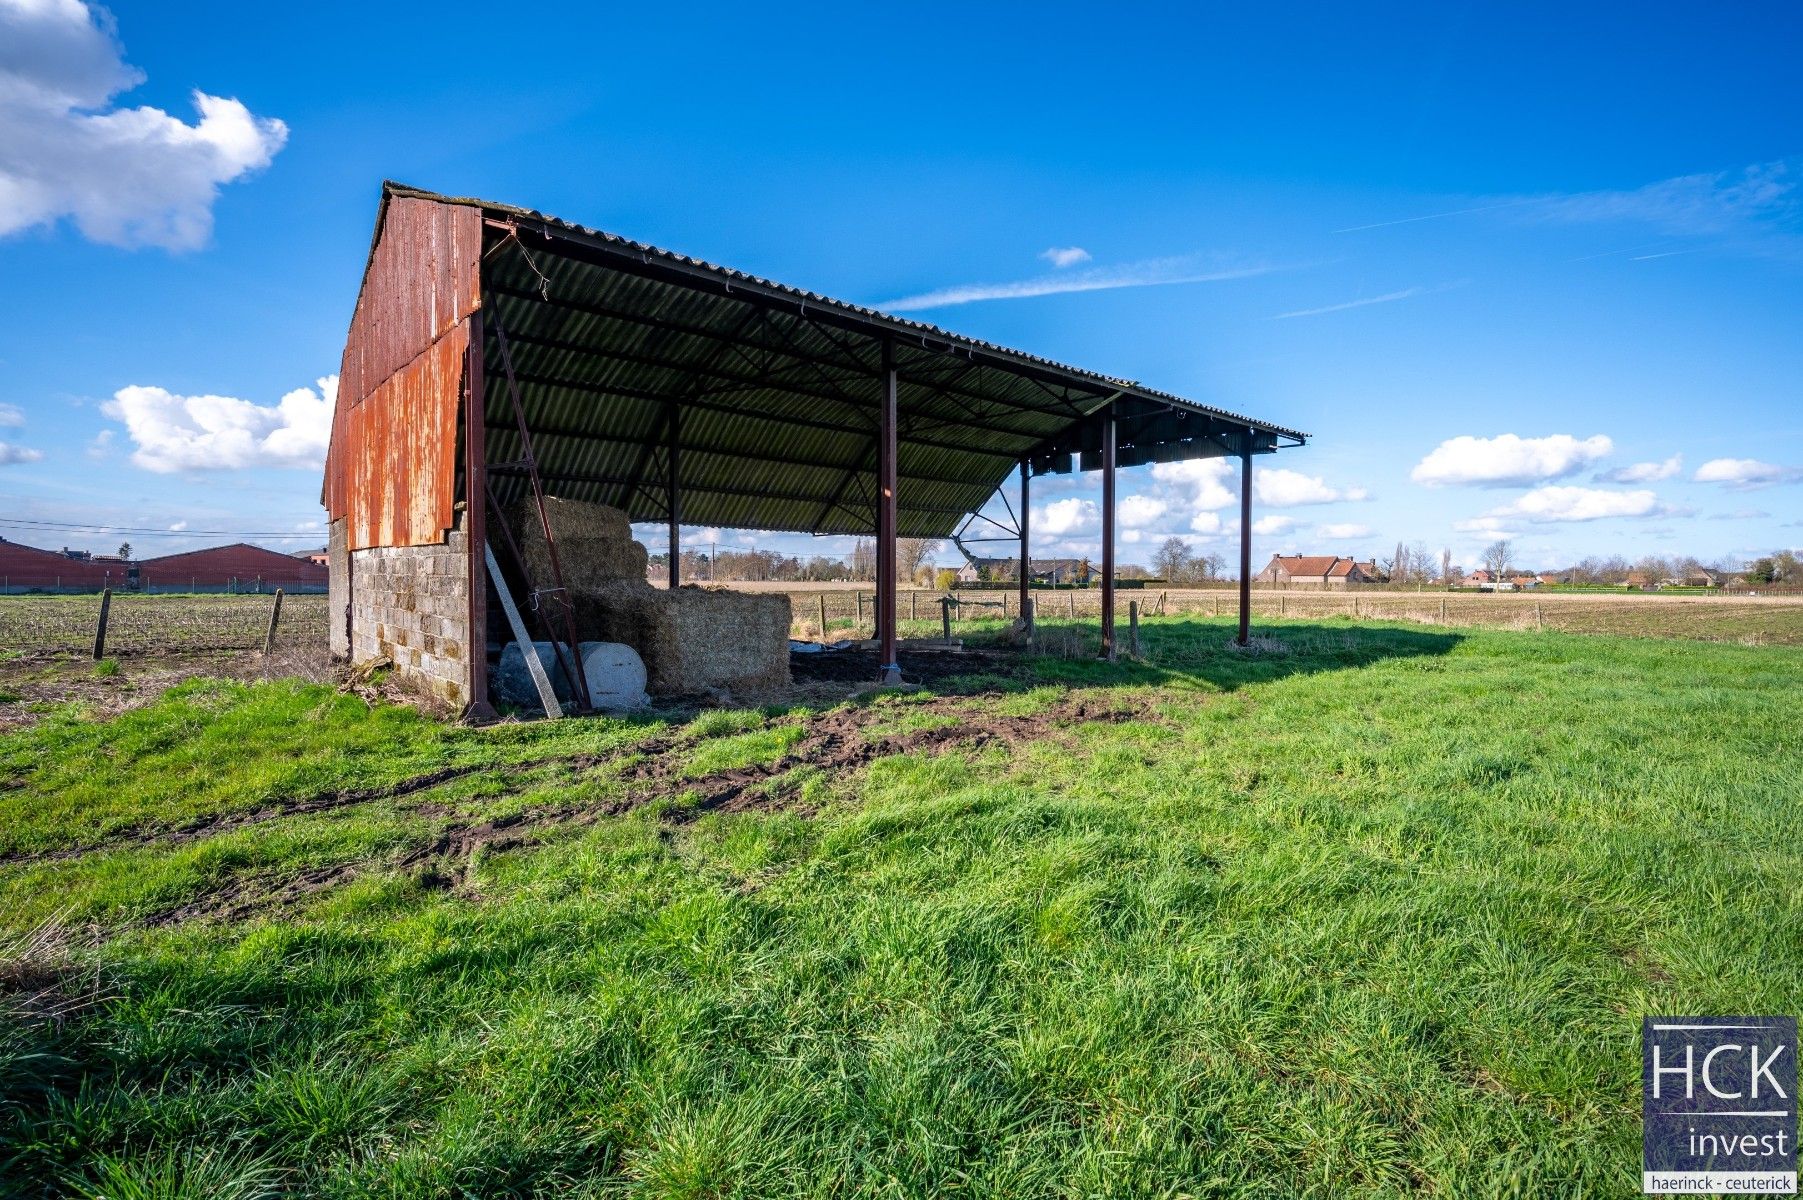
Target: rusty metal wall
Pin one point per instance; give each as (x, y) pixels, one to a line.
(399, 465)
(391, 469)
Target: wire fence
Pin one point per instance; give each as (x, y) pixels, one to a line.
(138, 624)
(1779, 621)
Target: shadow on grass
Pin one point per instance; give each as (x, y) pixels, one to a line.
(1181, 652)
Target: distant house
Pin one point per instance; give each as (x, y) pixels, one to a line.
(1317, 570)
(1525, 581)
(1709, 577)
(1482, 577)
(1007, 570)
(1547, 578)
(237, 567)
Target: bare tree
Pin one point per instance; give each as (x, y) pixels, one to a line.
(1410, 564)
(1446, 565)
(1211, 564)
(1497, 557)
(863, 559)
(1172, 559)
(910, 553)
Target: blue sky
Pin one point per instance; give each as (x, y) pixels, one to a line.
(1529, 272)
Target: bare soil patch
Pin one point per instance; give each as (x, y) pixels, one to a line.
(839, 742)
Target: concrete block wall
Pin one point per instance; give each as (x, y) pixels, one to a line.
(410, 604)
(338, 582)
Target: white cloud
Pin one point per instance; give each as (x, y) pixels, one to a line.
(1139, 511)
(1644, 472)
(1061, 517)
(1746, 474)
(1491, 525)
(1205, 523)
(11, 416)
(11, 455)
(102, 445)
(1205, 478)
(1282, 488)
(1581, 504)
(1150, 273)
(1507, 459)
(1273, 524)
(1065, 256)
(1740, 514)
(1757, 201)
(125, 176)
(201, 433)
(1708, 204)
(1340, 530)
(178, 527)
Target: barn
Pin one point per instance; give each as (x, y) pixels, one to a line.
(500, 361)
(239, 567)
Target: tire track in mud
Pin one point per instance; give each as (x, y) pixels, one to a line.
(227, 822)
(837, 742)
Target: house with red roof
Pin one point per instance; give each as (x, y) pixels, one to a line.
(1317, 570)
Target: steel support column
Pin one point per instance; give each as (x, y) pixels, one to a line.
(475, 524)
(1026, 563)
(1108, 650)
(888, 668)
(674, 453)
(1246, 544)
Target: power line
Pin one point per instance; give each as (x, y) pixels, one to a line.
(28, 522)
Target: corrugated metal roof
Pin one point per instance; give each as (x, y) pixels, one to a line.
(777, 391)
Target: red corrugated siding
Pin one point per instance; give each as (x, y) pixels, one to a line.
(392, 465)
(219, 565)
(27, 566)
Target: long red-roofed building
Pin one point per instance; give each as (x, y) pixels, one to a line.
(27, 568)
(239, 566)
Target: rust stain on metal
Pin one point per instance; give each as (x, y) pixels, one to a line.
(398, 466)
(392, 464)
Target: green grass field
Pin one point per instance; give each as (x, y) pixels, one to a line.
(1375, 912)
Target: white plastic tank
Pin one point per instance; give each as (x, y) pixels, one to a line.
(615, 673)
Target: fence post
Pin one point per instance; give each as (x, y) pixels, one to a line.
(1538, 623)
(822, 598)
(106, 607)
(1133, 628)
(1004, 606)
(1072, 596)
(1443, 610)
(945, 616)
(275, 616)
(859, 596)
(1283, 604)
(912, 597)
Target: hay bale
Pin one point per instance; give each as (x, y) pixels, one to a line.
(594, 543)
(691, 639)
(694, 638)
